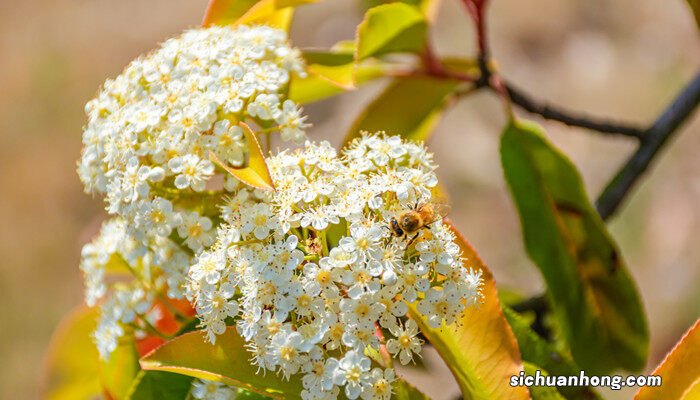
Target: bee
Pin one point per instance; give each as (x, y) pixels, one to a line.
(410, 222)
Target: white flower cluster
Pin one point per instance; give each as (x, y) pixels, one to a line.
(146, 149)
(137, 275)
(314, 274)
(150, 130)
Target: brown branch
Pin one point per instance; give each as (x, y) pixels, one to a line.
(652, 142)
(568, 117)
(487, 78)
(477, 10)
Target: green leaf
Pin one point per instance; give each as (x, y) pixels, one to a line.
(480, 349)
(409, 107)
(391, 28)
(255, 174)
(546, 357)
(333, 72)
(228, 361)
(594, 298)
(277, 13)
(679, 371)
(156, 385)
(541, 392)
(429, 8)
(695, 7)
(71, 369)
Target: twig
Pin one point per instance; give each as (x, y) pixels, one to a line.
(477, 9)
(568, 117)
(652, 141)
(487, 78)
(539, 306)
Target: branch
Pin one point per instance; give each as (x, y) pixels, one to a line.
(568, 117)
(652, 142)
(540, 307)
(487, 78)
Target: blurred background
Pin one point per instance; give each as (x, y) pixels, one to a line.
(624, 59)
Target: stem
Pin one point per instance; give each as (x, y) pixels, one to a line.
(152, 328)
(383, 352)
(652, 142)
(133, 272)
(476, 9)
(539, 306)
(568, 117)
(246, 242)
(172, 193)
(173, 310)
(324, 242)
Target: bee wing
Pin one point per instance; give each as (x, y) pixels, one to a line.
(440, 203)
(441, 209)
(438, 210)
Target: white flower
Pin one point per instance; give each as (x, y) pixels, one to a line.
(191, 171)
(208, 267)
(360, 335)
(386, 261)
(259, 221)
(132, 182)
(362, 309)
(321, 375)
(106, 336)
(214, 306)
(405, 342)
(379, 385)
(285, 350)
(308, 303)
(292, 121)
(439, 306)
(353, 373)
(196, 231)
(339, 258)
(364, 239)
(319, 218)
(265, 107)
(156, 216)
(412, 280)
(97, 254)
(121, 308)
(227, 142)
(322, 277)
